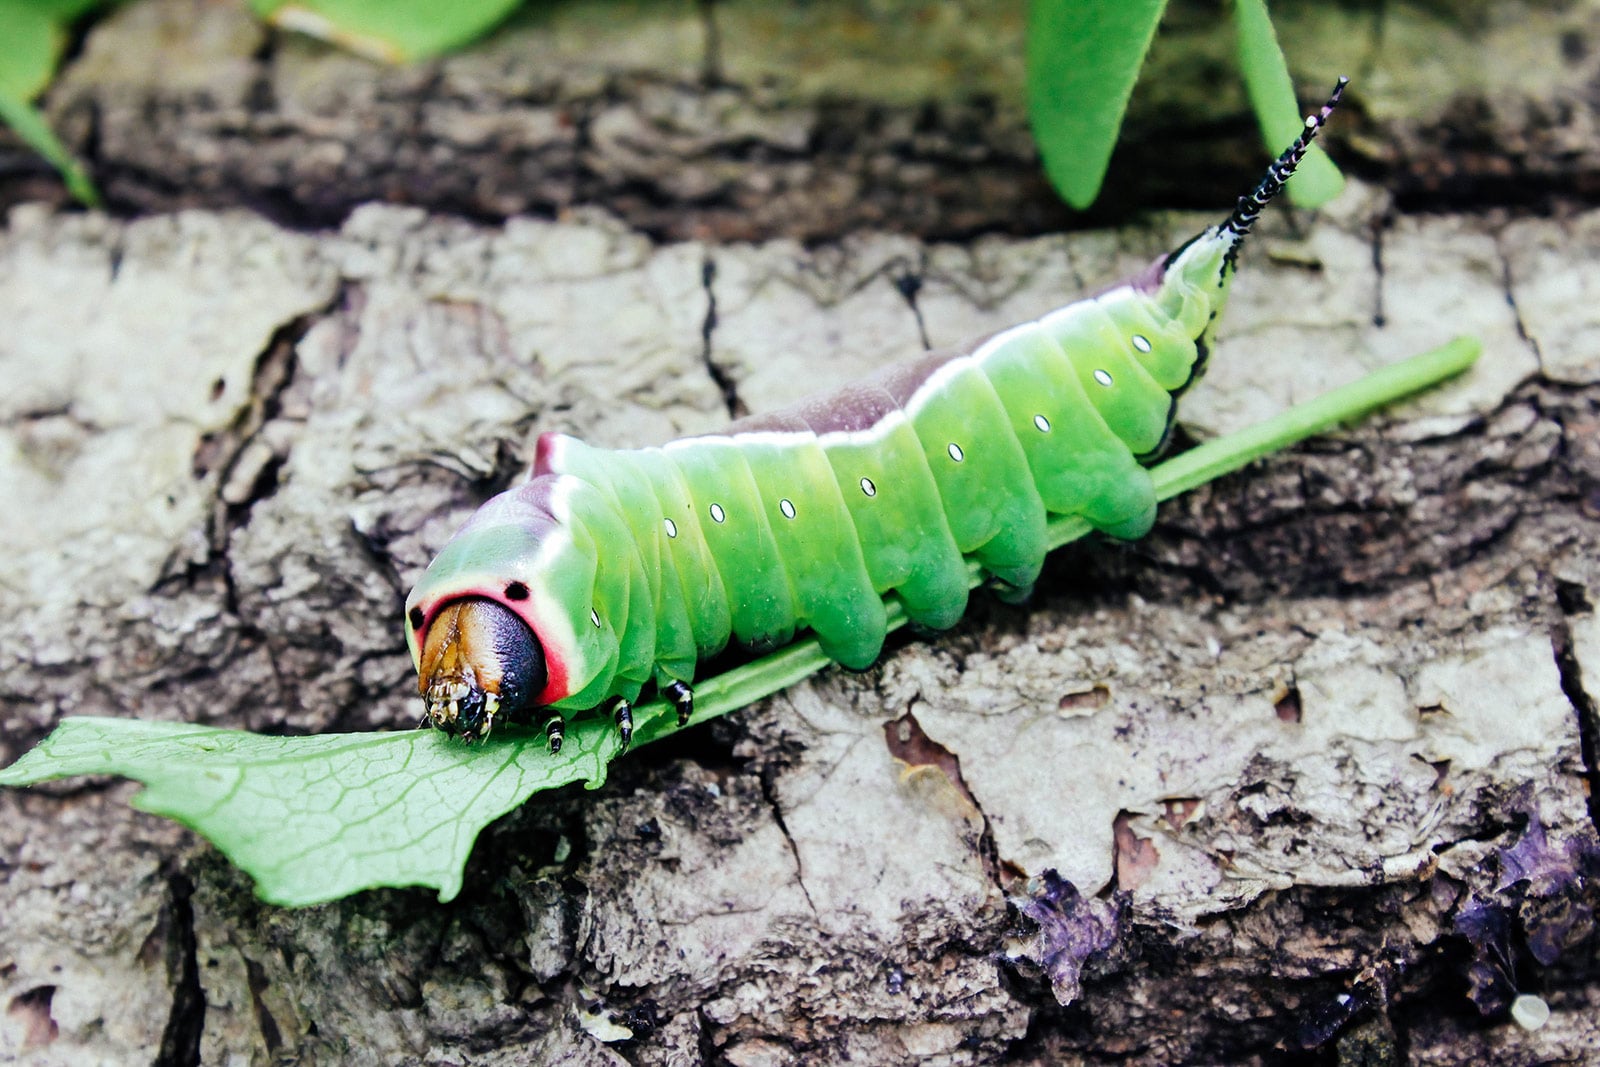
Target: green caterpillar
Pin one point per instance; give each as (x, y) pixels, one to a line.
(610, 571)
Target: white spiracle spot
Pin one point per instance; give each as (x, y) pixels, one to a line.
(594, 617)
(787, 508)
(717, 514)
(1041, 423)
(672, 527)
(868, 488)
(955, 452)
(1141, 342)
(1103, 377)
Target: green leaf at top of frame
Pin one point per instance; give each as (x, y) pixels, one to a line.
(32, 35)
(31, 39)
(394, 31)
(1266, 77)
(1083, 60)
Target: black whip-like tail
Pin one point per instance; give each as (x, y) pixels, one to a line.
(1249, 208)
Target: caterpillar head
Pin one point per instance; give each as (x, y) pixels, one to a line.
(506, 622)
(479, 661)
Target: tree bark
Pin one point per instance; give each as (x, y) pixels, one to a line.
(1305, 775)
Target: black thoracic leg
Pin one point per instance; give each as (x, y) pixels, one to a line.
(682, 698)
(555, 727)
(623, 711)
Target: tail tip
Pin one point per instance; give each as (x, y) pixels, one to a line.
(1244, 215)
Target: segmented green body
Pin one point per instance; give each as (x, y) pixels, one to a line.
(631, 566)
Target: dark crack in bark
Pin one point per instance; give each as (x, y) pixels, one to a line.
(711, 62)
(242, 459)
(908, 283)
(180, 1041)
(266, 1022)
(1572, 600)
(381, 560)
(724, 381)
(1379, 315)
(1333, 517)
(769, 793)
(1508, 285)
(30, 1012)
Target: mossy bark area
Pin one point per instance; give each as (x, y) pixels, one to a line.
(1294, 752)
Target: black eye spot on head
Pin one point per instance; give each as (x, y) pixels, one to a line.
(516, 591)
(416, 618)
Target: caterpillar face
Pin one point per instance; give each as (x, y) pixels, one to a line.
(479, 661)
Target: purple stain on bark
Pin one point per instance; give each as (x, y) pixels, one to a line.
(1554, 882)
(1490, 982)
(1071, 929)
(1545, 867)
(1542, 902)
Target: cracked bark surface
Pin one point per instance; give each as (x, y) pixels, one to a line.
(1284, 744)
